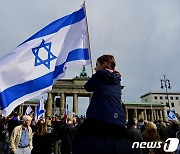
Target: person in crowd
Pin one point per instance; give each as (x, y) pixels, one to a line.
(141, 125)
(104, 131)
(178, 149)
(79, 121)
(5, 136)
(57, 134)
(40, 121)
(150, 132)
(2, 136)
(21, 137)
(68, 134)
(33, 122)
(48, 121)
(150, 135)
(13, 122)
(134, 134)
(162, 130)
(174, 128)
(42, 140)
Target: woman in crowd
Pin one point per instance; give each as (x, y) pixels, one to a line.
(150, 133)
(42, 141)
(103, 132)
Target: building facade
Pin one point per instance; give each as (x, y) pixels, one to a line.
(145, 110)
(171, 99)
(21, 109)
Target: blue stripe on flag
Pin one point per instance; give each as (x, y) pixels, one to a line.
(58, 24)
(78, 54)
(11, 94)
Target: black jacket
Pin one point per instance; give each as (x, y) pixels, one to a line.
(42, 144)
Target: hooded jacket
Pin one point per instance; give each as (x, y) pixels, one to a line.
(105, 104)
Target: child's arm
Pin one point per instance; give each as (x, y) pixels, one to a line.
(91, 83)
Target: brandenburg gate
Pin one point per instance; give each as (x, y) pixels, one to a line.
(67, 87)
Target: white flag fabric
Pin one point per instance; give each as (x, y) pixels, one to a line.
(40, 112)
(32, 68)
(172, 115)
(29, 110)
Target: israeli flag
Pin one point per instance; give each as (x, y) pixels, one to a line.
(29, 110)
(32, 68)
(172, 115)
(40, 112)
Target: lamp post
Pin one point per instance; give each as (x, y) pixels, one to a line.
(165, 83)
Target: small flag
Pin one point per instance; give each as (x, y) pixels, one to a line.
(172, 115)
(31, 69)
(29, 110)
(40, 109)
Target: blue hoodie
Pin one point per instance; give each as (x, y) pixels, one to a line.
(105, 104)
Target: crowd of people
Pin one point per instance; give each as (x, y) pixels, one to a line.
(46, 135)
(56, 134)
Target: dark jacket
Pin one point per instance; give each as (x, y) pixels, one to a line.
(135, 136)
(105, 104)
(57, 130)
(2, 135)
(42, 144)
(12, 124)
(68, 134)
(163, 131)
(174, 128)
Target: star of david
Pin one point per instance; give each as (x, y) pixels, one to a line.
(50, 56)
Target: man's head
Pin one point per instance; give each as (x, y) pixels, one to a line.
(15, 114)
(131, 123)
(26, 120)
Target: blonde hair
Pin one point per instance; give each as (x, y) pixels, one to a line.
(150, 132)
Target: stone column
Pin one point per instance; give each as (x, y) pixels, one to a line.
(49, 105)
(158, 117)
(149, 115)
(75, 104)
(62, 103)
(35, 108)
(161, 116)
(19, 109)
(145, 114)
(22, 109)
(126, 114)
(135, 111)
(154, 113)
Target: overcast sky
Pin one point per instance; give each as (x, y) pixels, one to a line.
(143, 35)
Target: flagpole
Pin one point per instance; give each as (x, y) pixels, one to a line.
(88, 38)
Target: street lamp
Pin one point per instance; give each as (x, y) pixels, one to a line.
(165, 83)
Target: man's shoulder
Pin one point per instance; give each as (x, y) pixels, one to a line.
(134, 130)
(18, 127)
(29, 128)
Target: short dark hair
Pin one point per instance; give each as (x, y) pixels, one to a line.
(15, 114)
(131, 122)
